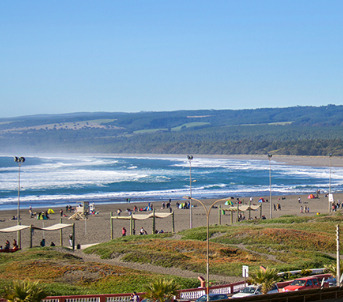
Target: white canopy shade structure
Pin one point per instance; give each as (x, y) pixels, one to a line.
(55, 227)
(135, 217)
(244, 208)
(15, 228)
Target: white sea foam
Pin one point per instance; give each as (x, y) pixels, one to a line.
(61, 179)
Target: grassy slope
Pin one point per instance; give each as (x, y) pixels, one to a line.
(285, 243)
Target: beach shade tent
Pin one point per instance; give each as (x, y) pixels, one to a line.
(51, 211)
(229, 203)
(261, 200)
(311, 196)
(135, 217)
(55, 227)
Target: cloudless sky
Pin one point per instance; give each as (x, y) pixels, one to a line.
(61, 56)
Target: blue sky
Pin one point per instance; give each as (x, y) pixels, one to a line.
(163, 55)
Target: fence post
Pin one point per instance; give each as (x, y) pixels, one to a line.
(111, 225)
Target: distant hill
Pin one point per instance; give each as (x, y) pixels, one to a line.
(291, 131)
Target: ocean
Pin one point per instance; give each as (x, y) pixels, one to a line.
(61, 180)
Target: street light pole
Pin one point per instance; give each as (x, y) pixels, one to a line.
(207, 211)
(330, 196)
(19, 160)
(190, 158)
(270, 186)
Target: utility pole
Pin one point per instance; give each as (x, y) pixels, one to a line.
(338, 269)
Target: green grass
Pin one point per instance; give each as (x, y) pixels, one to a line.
(61, 273)
(285, 243)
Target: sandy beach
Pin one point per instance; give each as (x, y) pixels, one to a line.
(97, 228)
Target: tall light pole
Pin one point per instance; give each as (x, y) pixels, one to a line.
(19, 160)
(207, 211)
(190, 158)
(270, 186)
(330, 196)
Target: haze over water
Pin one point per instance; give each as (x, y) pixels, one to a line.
(57, 181)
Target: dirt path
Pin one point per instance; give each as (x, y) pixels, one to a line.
(154, 269)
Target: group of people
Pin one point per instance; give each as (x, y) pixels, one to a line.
(150, 207)
(336, 206)
(42, 215)
(184, 205)
(305, 209)
(142, 231)
(42, 243)
(277, 207)
(69, 208)
(7, 246)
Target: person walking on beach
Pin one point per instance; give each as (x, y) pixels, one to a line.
(123, 231)
(301, 210)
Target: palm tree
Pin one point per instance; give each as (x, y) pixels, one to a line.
(265, 277)
(20, 291)
(332, 268)
(161, 290)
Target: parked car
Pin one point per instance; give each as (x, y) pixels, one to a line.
(254, 290)
(212, 297)
(304, 283)
(331, 281)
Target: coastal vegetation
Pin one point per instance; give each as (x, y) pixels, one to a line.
(285, 131)
(282, 244)
(266, 277)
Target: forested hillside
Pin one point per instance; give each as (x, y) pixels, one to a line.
(289, 131)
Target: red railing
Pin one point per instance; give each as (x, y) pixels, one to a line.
(184, 295)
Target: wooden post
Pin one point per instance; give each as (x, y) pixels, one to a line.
(220, 215)
(153, 221)
(237, 211)
(173, 223)
(261, 210)
(61, 234)
(338, 275)
(131, 225)
(31, 236)
(111, 225)
(249, 209)
(74, 236)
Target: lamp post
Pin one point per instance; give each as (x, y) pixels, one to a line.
(190, 158)
(207, 211)
(270, 186)
(19, 160)
(330, 196)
